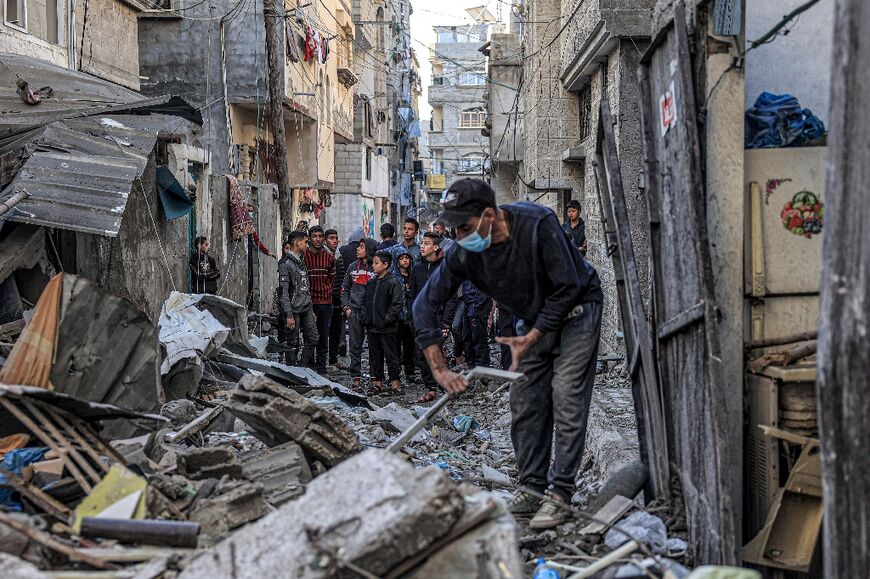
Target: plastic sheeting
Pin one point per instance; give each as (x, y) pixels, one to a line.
(188, 332)
(32, 357)
(176, 202)
(779, 121)
(15, 461)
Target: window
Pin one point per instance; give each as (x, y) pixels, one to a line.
(446, 36)
(585, 111)
(368, 163)
(471, 164)
(473, 119)
(605, 88)
(15, 13)
(437, 123)
(368, 119)
(437, 161)
(472, 78)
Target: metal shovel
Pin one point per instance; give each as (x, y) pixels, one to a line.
(429, 415)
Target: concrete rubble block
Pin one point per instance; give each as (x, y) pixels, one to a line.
(209, 462)
(282, 470)
(490, 550)
(397, 419)
(220, 514)
(374, 510)
(277, 414)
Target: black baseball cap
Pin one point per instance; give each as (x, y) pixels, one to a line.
(463, 199)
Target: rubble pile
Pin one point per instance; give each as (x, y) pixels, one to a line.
(247, 467)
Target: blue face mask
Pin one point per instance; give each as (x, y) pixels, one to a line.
(476, 243)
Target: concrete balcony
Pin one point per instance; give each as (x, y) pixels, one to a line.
(602, 23)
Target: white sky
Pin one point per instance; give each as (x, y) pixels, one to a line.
(429, 13)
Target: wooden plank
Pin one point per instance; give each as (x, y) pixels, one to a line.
(37, 496)
(844, 358)
(606, 212)
(683, 320)
(49, 441)
(68, 428)
(71, 451)
(608, 515)
(653, 405)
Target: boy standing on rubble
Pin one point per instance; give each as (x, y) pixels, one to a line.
(384, 299)
(353, 291)
(519, 255)
(294, 301)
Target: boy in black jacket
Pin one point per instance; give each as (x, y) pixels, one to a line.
(384, 299)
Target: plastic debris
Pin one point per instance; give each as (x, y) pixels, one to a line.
(643, 527)
(15, 461)
(464, 423)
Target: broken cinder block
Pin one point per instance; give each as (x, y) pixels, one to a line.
(209, 462)
(230, 510)
(282, 470)
(373, 510)
(277, 414)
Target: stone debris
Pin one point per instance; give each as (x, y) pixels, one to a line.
(372, 511)
(232, 509)
(282, 470)
(277, 414)
(209, 462)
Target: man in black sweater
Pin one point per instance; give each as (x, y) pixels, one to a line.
(518, 255)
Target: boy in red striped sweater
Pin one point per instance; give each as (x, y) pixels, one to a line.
(321, 277)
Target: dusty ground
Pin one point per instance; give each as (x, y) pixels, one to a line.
(484, 456)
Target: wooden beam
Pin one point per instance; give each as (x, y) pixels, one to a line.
(682, 320)
(844, 358)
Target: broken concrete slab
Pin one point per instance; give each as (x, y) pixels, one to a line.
(282, 470)
(397, 419)
(276, 414)
(494, 475)
(490, 550)
(222, 513)
(209, 462)
(374, 510)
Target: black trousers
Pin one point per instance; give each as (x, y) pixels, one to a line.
(406, 348)
(384, 347)
(476, 338)
(336, 333)
(323, 315)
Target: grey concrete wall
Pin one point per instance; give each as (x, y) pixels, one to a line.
(798, 63)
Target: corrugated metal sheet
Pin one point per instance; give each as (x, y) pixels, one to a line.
(79, 153)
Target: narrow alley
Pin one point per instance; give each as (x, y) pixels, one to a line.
(548, 289)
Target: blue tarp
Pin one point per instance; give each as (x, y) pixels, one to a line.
(15, 461)
(176, 201)
(779, 121)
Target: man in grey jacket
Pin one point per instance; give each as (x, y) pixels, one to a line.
(294, 301)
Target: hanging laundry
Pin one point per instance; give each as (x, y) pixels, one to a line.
(323, 53)
(311, 43)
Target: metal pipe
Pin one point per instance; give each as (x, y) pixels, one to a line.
(13, 201)
(148, 531)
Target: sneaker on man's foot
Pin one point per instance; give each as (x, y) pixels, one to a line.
(552, 513)
(522, 503)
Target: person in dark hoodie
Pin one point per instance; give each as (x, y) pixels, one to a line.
(406, 331)
(203, 269)
(353, 290)
(384, 300)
